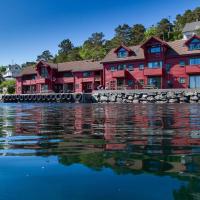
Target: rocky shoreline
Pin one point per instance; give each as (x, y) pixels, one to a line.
(147, 96)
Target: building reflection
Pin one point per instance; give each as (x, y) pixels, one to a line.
(127, 138)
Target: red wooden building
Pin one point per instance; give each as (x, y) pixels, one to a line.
(154, 64)
(78, 76)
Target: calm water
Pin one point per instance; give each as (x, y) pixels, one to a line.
(99, 152)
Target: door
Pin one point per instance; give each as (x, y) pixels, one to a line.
(120, 84)
(87, 87)
(155, 81)
(195, 81)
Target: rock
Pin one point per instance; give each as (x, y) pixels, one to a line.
(150, 99)
(171, 95)
(194, 98)
(130, 97)
(173, 100)
(119, 100)
(144, 96)
(103, 98)
(184, 99)
(187, 94)
(135, 101)
(112, 98)
(161, 102)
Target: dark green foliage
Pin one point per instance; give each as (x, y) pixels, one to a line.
(27, 64)
(10, 85)
(45, 56)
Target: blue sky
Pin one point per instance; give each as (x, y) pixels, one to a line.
(27, 27)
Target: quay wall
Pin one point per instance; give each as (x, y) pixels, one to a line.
(159, 96)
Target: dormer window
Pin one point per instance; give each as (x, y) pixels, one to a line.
(122, 53)
(155, 49)
(44, 72)
(194, 45)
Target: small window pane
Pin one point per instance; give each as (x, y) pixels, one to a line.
(130, 67)
(182, 80)
(182, 63)
(141, 66)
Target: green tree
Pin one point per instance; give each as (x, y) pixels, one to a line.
(94, 47)
(151, 32)
(123, 34)
(2, 69)
(10, 85)
(27, 64)
(165, 29)
(65, 46)
(138, 34)
(46, 56)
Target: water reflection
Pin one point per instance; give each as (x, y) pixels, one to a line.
(163, 140)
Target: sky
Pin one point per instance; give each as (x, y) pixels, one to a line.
(28, 27)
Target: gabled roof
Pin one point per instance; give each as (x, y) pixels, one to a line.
(193, 37)
(30, 70)
(124, 47)
(189, 27)
(79, 66)
(51, 65)
(154, 39)
(74, 66)
(176, 48)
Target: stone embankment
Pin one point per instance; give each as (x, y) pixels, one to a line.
(148, 96)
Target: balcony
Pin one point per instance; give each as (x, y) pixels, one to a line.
(65, 80)
(119, 74)
(153, 71)
(193, 69)
(29, 82)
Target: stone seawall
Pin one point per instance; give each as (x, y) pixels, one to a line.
(148, 96)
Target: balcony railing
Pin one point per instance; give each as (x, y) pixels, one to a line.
(119, 74)
(29, 82)
(65, 80)
(153, 71)
(193, 69)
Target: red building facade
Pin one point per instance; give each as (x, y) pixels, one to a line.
(78, 76)
(154, 64)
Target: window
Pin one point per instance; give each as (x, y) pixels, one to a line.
(130, 83)
(155, 49)
(44, 88)
(141, 81)
(168, 67)
(157, 64)
(44, 72)
(182, 63)
(113, 68)
(121, 67)
(195, 61)
(194, 45)
(122, 53)
(68, 74)
(130, 67)
(87, 74)
(182, 80)
(77, 86)
(141, 66)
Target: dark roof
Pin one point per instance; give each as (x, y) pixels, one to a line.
(191, 26)
(27, 71)
(78, 66)
(75, 66)
(177, 47)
